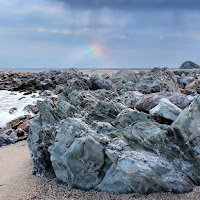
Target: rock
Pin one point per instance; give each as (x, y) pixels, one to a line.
(100, 83)
(166, 109)
(193, 85)
(8, 137)
(120, 75)
(31, 109)
(189, 65)
(16, 122)
(127, 83)
(84, 156)
(103, 111)
(151, 100)
(187, 125)
(186, 80)
(129, 98)
(188, 91)
(157, 80)
(20, 132)
(12, 110)
(82, 83)
(89, 140)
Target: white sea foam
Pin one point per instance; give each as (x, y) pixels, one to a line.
(9, 100)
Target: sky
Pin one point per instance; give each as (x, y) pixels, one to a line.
(99, 33)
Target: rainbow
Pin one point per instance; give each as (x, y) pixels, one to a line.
(99, 53)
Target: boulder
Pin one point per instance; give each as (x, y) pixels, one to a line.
(8, 137)
(151, 100)
(88, 140)
(127, 83)
(100, 83)
(31, 109)
(157, 80)
(12, 110)
(120, 75)
(165, 109)
(189, 65)
(186, 80)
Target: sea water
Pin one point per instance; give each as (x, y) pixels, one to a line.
(9, 100)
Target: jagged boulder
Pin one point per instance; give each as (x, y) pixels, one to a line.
(100, 83)
(128, 83)
(157, 80)
(187, 125)
(165, 109)
(151, 100)
(120, 75)
(8, 137)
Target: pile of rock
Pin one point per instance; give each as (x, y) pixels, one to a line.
(112, 135)
(15, 131)
(18, 81)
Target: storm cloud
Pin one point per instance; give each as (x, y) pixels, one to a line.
(132, 4)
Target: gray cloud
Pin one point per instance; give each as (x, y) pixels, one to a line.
(132, 4)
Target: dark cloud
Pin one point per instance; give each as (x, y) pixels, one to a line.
(132, 4)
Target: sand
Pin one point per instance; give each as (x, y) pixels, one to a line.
(17, 182)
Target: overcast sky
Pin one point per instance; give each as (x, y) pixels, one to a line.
(99, 33)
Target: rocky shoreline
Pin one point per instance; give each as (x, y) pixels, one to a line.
(125, 133)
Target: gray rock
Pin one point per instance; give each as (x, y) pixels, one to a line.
(157, 80)
(166, 110)
(103, 111)
(88, 140)
(120, 75)
(127, 83)
(186, 80)
(189, 65)
(31, 109)
(8, 137)
(83, 156)
(12, 110)
(129, 98)
(100, 83)
(151, 100)
(187, 124)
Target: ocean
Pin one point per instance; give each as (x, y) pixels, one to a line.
(9, 100)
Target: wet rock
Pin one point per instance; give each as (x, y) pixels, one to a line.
(151, 100)
(165, 109)
(12, 110)
(16, 122)
(31, 109)
(157, 80)
(20, 132)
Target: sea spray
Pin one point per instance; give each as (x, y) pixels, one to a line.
(18, 100)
